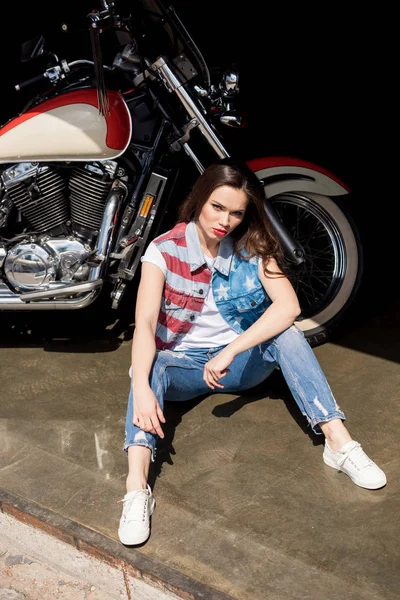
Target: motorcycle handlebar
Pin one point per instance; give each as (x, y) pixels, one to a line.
(37, 79)
(57, 73)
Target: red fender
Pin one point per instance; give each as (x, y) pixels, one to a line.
(304, 176)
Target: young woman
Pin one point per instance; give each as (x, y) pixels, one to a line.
(215, 311)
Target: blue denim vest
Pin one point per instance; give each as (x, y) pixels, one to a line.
(238, 292)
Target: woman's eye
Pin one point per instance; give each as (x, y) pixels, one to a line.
(216, 207)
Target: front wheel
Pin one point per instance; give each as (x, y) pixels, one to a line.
(327, 281)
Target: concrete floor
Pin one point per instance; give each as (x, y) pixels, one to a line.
(245, 504)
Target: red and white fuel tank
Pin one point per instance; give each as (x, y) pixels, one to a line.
(68, 127)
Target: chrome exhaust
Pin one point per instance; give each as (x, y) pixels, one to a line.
(104, 239)
(11, 301)
(67, 290)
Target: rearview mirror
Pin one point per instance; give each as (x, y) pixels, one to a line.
(32, 48)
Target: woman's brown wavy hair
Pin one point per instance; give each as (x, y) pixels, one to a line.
(254, 235)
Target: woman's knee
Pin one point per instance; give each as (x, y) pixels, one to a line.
(292, 336)
(292, 342)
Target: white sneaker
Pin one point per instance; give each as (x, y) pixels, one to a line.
(352, 460)
(134, 526)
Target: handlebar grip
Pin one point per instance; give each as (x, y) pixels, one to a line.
(37, 79)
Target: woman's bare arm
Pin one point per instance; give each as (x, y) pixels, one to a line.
(280, 315)
(147, 411)
(148, 304)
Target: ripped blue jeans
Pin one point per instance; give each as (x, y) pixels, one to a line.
(178, 376)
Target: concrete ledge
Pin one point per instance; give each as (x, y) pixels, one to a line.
(140, 575)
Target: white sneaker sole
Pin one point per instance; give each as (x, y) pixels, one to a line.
(132, 540)
(371, 486)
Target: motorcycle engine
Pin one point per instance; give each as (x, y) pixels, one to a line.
(30, 266)
(62, 209)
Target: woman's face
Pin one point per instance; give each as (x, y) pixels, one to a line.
(222, 213)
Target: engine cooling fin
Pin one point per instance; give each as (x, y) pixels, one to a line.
(88, 195)
(42, 201)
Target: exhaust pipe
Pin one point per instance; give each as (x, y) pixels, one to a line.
(118, 191)
(12, 302)
(67, 290)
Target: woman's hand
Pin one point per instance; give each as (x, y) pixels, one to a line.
(217, 367)
(147, 412)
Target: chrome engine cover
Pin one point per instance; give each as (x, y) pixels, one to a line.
(46, 263)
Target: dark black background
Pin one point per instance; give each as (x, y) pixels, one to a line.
(315, 84)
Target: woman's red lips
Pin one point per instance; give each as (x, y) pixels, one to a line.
(220, 231)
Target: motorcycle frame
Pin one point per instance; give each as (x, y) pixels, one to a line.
(126, 245)
(150, 170)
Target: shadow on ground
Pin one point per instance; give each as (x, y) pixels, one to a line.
(372, 330)
(97, 328)
(274, 388)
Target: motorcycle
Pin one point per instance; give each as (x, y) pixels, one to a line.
(92, 164)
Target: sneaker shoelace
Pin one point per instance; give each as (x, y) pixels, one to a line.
(135, 504)
(358, 456)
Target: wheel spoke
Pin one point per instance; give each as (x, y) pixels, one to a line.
(322, 252)
(312, 228)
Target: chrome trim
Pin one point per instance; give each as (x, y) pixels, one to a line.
(232, 118)
(173, 84)
(12, 302)
(200, 91)
(67, 290)
(104, 238)
(230, 84)
(19, 172)
(69, 255)
(193, 157)
(53, 74)
(62, 246)
(3, 254)
(29, 266)
(86, 62)
(109, 165)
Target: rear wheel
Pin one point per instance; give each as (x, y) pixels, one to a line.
(327, 281)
